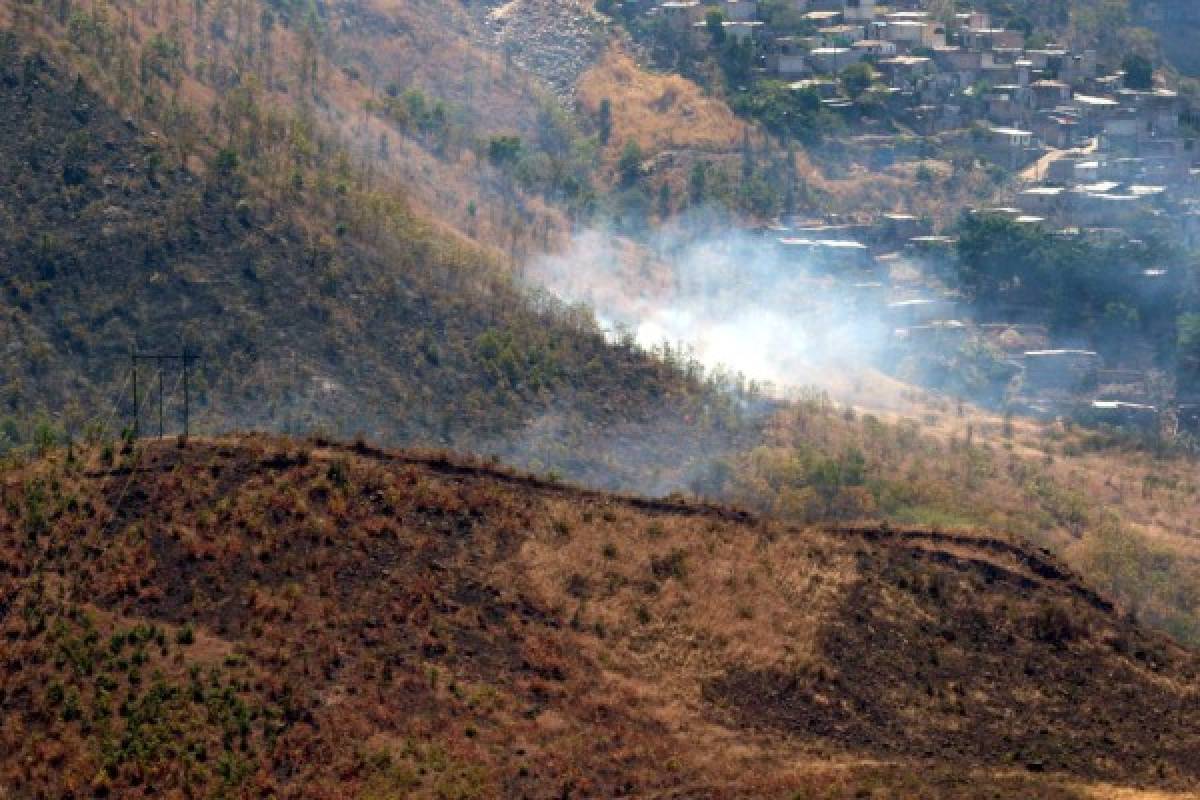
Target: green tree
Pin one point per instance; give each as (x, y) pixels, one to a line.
(715, 22)
(629, 166)
(227, 161)
(504, 149)
(1139, 72)
(604, 120)
(1188, 348)
(856, 79)
(786, 112)
(737, 61)
(698, 183)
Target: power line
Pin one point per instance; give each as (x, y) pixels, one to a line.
(185, 360)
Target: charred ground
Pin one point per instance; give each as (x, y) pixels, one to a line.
(309, 309)
(254, 616)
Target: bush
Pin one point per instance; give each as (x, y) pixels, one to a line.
(671, 565)
(1054, 624)
(504, 149)
(227, 161)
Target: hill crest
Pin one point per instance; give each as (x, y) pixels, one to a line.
(369, 623)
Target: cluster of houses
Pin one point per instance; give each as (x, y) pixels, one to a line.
(1091, 156)
(882, 267)
(945, 74)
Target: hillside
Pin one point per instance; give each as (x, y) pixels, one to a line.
(317, 303)
(303, 619)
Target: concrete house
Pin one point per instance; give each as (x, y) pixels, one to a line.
(1010, 146)
(680, 15)
(874, 48)
(1093, 111)
(1062, 171)
(909, 32)
(740, 10)
(832, 60)
(1051, 93)
(823, 19)
(1058, 128)
(789, 58)
(743, 30)
(1043, 200)
(1121, 130)
(836, 256)
(1009, 104)
(1049, 59)
(860, 10)
(905, 71)
(841, 35)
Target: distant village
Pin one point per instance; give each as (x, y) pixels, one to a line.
(1090, 156)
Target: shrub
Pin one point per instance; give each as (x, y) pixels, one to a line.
(1054, 624)
(671, 565)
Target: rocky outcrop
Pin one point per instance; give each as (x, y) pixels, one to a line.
(556, 40)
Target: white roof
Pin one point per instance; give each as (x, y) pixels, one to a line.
(1082, 353)
(920, 301)
(1116, 405)
(1096, 102)
(1100, 187)
(907, 61)
(810, 83)
(845, 244)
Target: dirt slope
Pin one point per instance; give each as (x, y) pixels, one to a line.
(256, 616)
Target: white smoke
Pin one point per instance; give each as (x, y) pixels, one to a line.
(732, 298)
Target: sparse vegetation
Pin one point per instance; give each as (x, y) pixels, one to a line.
(211, 664)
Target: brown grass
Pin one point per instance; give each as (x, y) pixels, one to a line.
(533, 635)
(658, 111)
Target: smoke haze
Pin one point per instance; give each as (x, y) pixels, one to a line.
(734, 299)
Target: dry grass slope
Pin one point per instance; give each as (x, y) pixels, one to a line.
(258, 616)
(658, 111)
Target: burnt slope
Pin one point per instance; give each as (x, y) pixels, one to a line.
(388, 326)
(262, 616)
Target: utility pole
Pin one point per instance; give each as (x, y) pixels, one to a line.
(161, 359)
(187, 401)
(133, 358)
(160, 398)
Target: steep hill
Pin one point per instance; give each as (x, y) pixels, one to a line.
(314, 300)
(257, 617)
